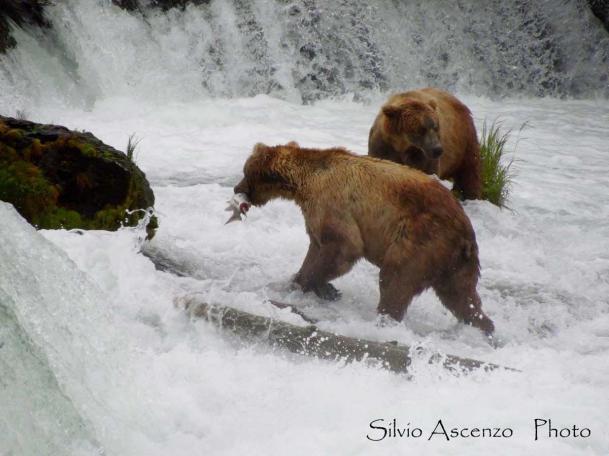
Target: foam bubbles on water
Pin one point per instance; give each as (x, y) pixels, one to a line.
(544, 271)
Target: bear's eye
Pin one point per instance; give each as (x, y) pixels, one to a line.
(429, 124)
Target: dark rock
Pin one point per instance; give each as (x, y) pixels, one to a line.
(600, 8)
(58, 178)
(129, 5)
(132, 5)
(294, 10)
(6, 40)
(22, 13)
(308, 51)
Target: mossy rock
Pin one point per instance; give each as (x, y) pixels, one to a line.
(58, 178)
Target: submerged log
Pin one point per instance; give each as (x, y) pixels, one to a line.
(294, 310)
(312, 341)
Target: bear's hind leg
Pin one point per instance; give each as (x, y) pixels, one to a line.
(458, 294)
(398, 285)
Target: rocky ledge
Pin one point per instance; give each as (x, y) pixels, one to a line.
(59, 178)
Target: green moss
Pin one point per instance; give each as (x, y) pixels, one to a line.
(24, 185)
(89, 150)
(112, 217)
(86, 149)
(13, 135)
(60, 218)
(7, 153)
(33, 151)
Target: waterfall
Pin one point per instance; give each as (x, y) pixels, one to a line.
(95, 359)
(305, 50)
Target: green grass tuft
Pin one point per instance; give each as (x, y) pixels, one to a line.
(131, 146)
(496, 174)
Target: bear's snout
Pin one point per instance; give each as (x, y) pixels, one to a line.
(242, 187)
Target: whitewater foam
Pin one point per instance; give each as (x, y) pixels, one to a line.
(149, 382)
(88, 324)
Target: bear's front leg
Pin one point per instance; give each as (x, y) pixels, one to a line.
(323, 263)
(311, 275)
(468, 183)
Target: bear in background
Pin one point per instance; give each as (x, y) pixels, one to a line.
(406, 223)
(430, 130)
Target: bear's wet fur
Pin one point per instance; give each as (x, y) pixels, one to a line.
(432, 131)
(401, 220)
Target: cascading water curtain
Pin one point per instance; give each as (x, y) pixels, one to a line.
(306, 50)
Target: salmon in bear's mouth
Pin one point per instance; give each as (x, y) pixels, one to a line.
(239, 204)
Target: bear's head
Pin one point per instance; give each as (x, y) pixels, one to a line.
(267, 174)
(414, 123)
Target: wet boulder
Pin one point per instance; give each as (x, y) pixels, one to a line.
(59, 178)
(133, 5)
(600, 8)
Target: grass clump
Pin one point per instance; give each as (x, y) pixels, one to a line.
(496, 174)
(21, 114)
(132, 144)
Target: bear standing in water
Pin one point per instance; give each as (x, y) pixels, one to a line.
(399, 219)
(430, 130)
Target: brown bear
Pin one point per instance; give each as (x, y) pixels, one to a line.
(401, 220)
(430, 130)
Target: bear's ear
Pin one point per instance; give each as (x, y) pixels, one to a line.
(260, 148)
(392, 111)
(292, 144)
(433, 105)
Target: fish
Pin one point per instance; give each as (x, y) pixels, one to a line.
(239, 204)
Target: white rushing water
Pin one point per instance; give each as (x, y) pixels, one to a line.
(94, 358)
(146, 381)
